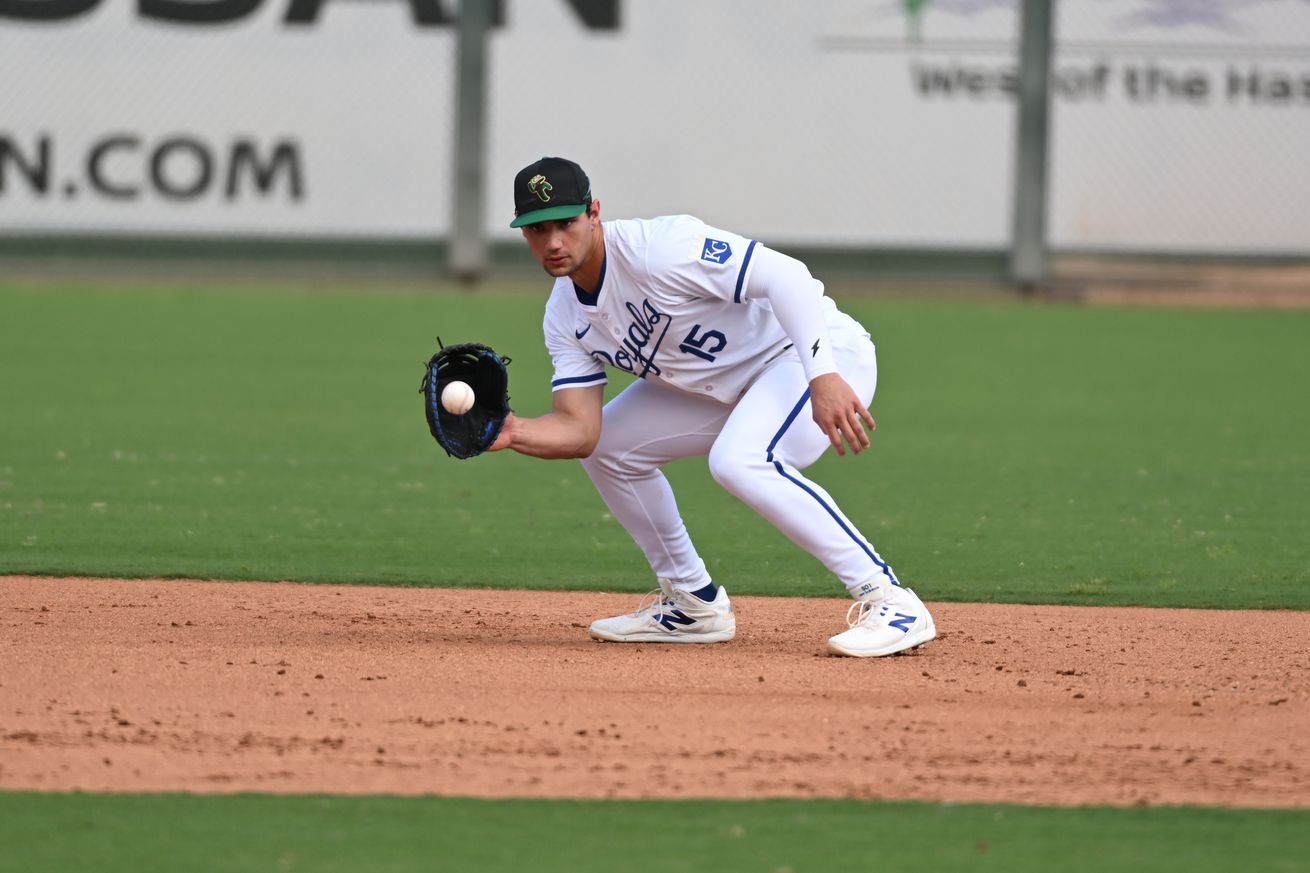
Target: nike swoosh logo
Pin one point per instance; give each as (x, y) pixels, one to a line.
(582, 333)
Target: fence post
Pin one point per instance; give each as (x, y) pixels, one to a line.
(1028, 252)
(468, 244)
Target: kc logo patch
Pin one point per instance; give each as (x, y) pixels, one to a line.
(716, 251)
(541, 186)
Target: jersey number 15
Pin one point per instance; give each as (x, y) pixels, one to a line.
(696, 343)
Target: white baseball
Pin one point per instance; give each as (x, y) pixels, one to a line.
(457, 398)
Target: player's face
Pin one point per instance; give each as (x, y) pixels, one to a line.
(565, 246)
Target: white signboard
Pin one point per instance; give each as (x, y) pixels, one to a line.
(119, 120)
(1177, 126)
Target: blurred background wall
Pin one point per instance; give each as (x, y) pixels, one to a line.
(879, 134)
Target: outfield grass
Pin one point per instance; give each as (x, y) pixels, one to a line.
(1025, 453)
(1042, 454)
(167, 833)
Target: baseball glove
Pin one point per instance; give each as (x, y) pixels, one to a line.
(470, 434)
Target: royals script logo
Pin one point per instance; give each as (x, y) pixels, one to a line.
(641, 343)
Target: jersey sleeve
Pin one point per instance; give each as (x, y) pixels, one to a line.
(798, 303)
(574, 365)
(692, 259)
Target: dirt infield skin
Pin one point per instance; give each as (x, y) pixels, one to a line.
(223, 687)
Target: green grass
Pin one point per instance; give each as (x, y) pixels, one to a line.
(145, 833)
(1044, 454)
(1025, 453)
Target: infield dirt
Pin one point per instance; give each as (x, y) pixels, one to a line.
(111, 685)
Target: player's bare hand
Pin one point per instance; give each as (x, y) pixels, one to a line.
(506, 435)
(839, 413)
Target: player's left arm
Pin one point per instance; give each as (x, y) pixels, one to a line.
(795, 296)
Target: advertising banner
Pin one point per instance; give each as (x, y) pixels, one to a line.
(1176, 126)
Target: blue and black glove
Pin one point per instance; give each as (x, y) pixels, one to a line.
(470, 434)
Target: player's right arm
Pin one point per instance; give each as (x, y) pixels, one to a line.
(570, 430)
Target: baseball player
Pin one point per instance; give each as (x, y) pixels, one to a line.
(738, 356)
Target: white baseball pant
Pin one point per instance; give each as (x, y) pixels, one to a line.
(756, 450)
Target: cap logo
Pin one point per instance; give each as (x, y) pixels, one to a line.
(541, 186)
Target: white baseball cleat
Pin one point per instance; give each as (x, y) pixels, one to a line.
(898, 622)
(667, 615)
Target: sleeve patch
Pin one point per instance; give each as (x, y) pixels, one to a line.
(715, 251)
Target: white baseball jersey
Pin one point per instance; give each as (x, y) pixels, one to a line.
(675, 305)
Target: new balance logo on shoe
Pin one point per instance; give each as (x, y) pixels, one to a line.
(669, 619)
(902, 622)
